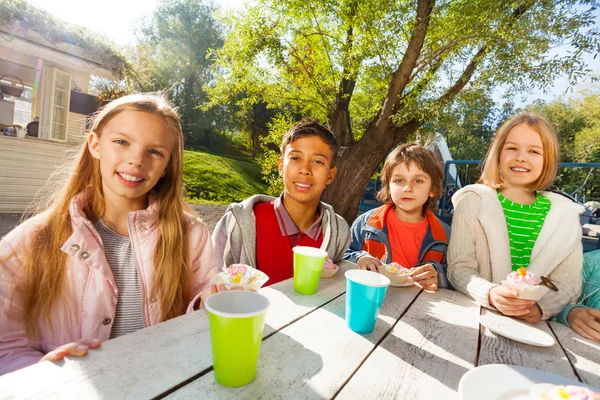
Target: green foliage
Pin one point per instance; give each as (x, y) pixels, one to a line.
(297, 53)
(175, 51)
(220, 180)
(93, 44)
(278, 126)
(327, 59)
(108, 90)
(577, 123)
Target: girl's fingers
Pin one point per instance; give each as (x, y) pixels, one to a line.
(517, 308)
(373, 267)
(91, 343)
(506, 292)
(74, 349)
(587, 332)
(594, 313)
(515, 313)
(581, 332)
(55, 355)
(594, 327)
(221, 288)
(512, 302)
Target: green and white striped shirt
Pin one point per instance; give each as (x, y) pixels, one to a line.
(524, 223)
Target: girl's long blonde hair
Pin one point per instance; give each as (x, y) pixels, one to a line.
(45, 263)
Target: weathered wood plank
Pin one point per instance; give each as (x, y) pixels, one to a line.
(311, 358)
(426, 354)
(496, 349)
(151, 361)
(582, 353)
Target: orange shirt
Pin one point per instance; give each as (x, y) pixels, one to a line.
(405, 239)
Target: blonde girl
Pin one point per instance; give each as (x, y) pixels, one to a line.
(115, 249)
(506, 222)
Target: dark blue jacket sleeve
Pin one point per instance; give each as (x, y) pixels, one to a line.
(358, 239)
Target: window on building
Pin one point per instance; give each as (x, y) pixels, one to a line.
(22, 113)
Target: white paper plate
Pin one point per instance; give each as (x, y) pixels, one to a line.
(506, 382)
(408, 282)
(517, 330)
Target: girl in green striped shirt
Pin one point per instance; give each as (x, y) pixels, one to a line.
(506, 222)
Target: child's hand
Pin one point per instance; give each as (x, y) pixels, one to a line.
(425, 276)
(369, 263)
(506, 301)
(74, 349)
(585, 321)
(534, 316)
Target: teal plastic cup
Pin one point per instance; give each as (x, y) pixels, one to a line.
(236, 320)
(365, 291)
(308, 265)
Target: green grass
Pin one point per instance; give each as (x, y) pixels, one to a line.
(215, 179)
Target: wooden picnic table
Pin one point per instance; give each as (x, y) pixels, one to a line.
(422, 345)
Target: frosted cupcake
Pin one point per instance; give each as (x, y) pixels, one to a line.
(395, 272)
(526, 284)
(241, 276)
(547, 391)
(329, 269)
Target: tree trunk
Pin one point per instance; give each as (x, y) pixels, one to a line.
(357, 163)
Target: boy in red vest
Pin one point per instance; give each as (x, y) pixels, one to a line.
(262, 230)
(405, 230)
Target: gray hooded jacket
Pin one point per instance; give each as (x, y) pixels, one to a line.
(234, 237)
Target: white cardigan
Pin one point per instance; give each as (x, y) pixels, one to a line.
(479, 251)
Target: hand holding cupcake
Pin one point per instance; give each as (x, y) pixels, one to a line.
(526, 284)
(241, 277)
(397, 274)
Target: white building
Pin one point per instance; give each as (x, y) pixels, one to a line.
(55, 78)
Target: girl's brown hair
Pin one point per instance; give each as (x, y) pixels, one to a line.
(423, 158)
(491, 174)
(45, 264)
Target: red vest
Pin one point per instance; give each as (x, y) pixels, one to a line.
(274, 254)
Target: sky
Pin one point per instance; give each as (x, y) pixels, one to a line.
(124, 16)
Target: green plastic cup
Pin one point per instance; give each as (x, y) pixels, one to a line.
(308, 265)
(236, 320)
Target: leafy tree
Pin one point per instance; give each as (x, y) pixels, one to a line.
(375, 71)
(577, 123)
(175, 52)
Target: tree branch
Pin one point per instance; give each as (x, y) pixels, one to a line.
(339, 119)
(317, 85)
(402, 75)
(312, 10)
(464, 78)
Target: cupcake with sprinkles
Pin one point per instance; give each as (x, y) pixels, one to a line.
(397, 274)
(241, 277)
(526, 284)
(547, 391)
(329, 269)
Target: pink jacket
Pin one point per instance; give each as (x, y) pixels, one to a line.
(91, 292)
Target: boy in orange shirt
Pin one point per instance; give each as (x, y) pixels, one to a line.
(405, 230)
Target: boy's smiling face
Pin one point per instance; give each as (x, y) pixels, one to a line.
(305, 168)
